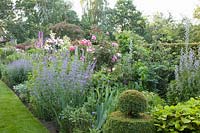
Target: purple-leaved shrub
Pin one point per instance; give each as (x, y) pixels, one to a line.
(187, 78)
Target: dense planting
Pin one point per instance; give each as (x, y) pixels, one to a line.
(75, 73)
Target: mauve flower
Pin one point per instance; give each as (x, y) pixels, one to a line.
(93, 37)
(114, 58)
(72, 48)
(107, 33)
(90, 50)
(82, 58)
(89, 43)
(114, 44)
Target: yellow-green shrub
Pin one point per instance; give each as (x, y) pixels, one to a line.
(184, 117)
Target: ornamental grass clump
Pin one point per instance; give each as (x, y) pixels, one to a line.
(130, 118)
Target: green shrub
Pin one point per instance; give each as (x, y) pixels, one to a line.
(120, 123)
(132, 102)
(153, 100)
(75, 120)
(22, 91)
(184, 117)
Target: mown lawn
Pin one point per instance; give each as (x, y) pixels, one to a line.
(14, 116)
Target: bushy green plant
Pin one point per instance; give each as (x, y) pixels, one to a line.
(120, 123)
(132, 102)
(6, 54)
(182, 118)
(124, 38)
(153, 100)
(22, 91)
(75, 119)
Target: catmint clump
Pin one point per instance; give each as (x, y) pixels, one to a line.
(17, 72)
(59, 81)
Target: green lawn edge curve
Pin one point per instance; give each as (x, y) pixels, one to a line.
(14, 116)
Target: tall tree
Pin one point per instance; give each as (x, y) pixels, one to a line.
(165, 29)
(124, 16)
(36, 15)
(94, 11)
(6, 14)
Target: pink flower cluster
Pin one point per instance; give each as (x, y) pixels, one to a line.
(72, 48)
(86, 42)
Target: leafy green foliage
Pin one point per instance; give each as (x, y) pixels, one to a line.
(124, 38)
(132, 102)
(165, 30)
(75, 119)
(23, 92)
(184, 117)
(126, 17)
(153, 100)
(94, 12)
(120, 123)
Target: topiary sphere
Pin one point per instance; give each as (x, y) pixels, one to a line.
(132, 102)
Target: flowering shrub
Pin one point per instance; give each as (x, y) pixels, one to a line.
(187, 77)
(106, 55)
(54, 44)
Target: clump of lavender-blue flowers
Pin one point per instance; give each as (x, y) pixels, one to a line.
(57, 82)
(17, 72)
(187, 78)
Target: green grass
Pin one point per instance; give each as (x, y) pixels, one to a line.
(14, 116)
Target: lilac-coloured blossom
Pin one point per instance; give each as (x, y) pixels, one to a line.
(90, 50)
(82, 58)
(114, 58)
(114, 44)
(93, 37)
